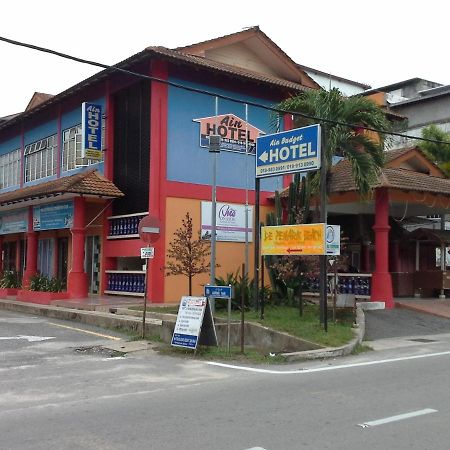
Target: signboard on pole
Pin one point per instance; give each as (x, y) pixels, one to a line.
(147, 252)
(230, 222)
(333, 238)
(289, 151)
(218, 291)
(195, 324)
(305, 239)
(91, 131)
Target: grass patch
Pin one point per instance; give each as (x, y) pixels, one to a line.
(158, 309)
(287, 319)
(361, 348)
(221, 354)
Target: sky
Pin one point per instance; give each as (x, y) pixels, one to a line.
(377, 43)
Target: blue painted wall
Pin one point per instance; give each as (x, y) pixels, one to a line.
(188, 162)
(41, 131)
(9, 145)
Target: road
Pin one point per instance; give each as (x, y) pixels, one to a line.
(63, 393)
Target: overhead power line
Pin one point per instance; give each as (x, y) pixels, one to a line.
(213, 94)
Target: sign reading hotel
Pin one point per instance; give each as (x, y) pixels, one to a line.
(14, 222)
(230, 222)
(290, 151)
(305, 239)
(236, 135)
(54, 216)
(91, 131)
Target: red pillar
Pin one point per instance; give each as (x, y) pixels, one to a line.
(77, 282)
(158, 176)
(381, 278)
(32, 252)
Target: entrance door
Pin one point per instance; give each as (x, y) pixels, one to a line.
(9, 256)
(92, 263)
(63, 253)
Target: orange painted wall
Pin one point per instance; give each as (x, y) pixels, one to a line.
(230, 255)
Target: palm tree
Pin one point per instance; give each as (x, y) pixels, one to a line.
(439, 153)
(364, 150)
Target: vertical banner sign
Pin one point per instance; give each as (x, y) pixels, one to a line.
(91, 131)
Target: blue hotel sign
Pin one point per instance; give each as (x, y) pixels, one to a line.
(91, 130)
(289, 151)
(54, 216)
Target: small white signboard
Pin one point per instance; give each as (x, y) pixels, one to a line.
(333, 240)
(188, 327)
(147, 252)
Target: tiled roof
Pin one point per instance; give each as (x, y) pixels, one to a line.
(37, 99)
(226, 68)
(341, 180)
(90, 182)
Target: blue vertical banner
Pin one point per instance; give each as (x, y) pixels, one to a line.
(91, 130)
(53, 217)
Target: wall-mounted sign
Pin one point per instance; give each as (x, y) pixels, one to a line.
(305, 239)
(54, 216)
(290, 151)
(333, 238)
(236, 135)
(14, 222)
(230, 222)
(147, 252)
(91, 131)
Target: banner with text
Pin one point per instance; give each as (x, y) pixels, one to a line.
(14, 222)
(53, 217)
(230, 222)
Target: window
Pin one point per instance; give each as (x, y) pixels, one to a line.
(45, 257)
(71, 154)
(40, 158)
(10, 169)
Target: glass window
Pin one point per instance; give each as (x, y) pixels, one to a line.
(10, 169)
(71, 152)
(40, 158)
(45, 257)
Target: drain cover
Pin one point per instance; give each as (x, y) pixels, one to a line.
(422, 340)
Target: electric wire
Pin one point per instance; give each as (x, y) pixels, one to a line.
(213, 94)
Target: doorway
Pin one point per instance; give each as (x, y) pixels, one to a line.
(63, 254)
(92, 263)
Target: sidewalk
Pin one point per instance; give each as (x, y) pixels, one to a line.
(435, 307)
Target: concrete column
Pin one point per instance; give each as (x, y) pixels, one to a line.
(381, 278)
(77, 281)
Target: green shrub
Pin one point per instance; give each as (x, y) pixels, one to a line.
(10, 280)
(42, 283)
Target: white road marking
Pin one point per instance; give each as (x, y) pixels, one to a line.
(327, 368)
(27, 338)
(409, 415)
(107, 336)
(256, 448)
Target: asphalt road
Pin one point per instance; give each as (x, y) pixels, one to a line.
(60, 393)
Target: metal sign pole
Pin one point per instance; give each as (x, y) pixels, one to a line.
(323, 218)
(144, 313)
(229, 322)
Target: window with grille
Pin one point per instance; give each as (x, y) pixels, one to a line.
(10, 169)
(71, 154)
(40, 158)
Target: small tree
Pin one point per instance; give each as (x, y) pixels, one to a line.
(188, 255)
(438, 153)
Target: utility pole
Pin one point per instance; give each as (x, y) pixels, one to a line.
(323, 291)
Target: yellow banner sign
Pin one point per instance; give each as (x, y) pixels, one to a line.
(307, 239)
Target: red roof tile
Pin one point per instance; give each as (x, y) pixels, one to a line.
(90, 182)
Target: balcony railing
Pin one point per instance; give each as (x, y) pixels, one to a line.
(125, 226)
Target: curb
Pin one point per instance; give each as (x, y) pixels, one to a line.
(334, 352)
(155, 326)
